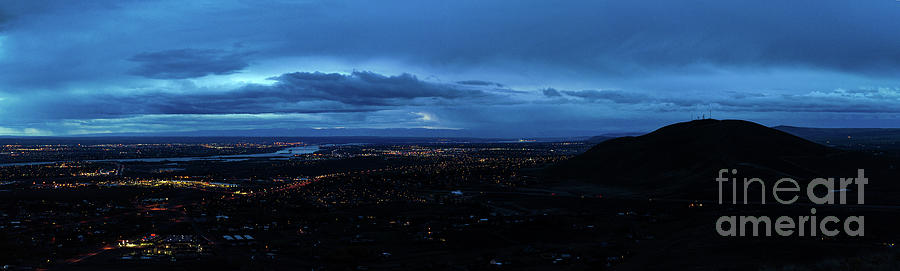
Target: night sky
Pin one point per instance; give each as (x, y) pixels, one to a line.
(481, 68)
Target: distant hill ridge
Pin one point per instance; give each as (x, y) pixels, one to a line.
(849, 138)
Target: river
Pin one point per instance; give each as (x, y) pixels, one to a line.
(281, 154)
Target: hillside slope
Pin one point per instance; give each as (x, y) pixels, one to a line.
(683, 159)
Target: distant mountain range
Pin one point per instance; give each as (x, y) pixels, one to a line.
(379, 132)
(309, 136)
(849, 138)
(307, 132)
(844, 138)
(337, 133)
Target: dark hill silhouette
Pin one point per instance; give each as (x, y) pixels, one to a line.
(683, 159)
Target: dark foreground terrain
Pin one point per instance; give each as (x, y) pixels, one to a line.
(635, 203)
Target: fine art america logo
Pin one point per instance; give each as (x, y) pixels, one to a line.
(787, 191)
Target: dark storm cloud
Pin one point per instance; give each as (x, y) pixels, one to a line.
(621, 38)
(362, 88)
(551, 92)
(616, 96)
(584, 41)
(4, 19)
(299, 92)
(320, 94)
(876, 101)
(188, 63)
(338, 93)
(479, 83)
(834, 101)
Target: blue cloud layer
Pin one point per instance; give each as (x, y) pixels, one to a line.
(577, 68)
(187, 63)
